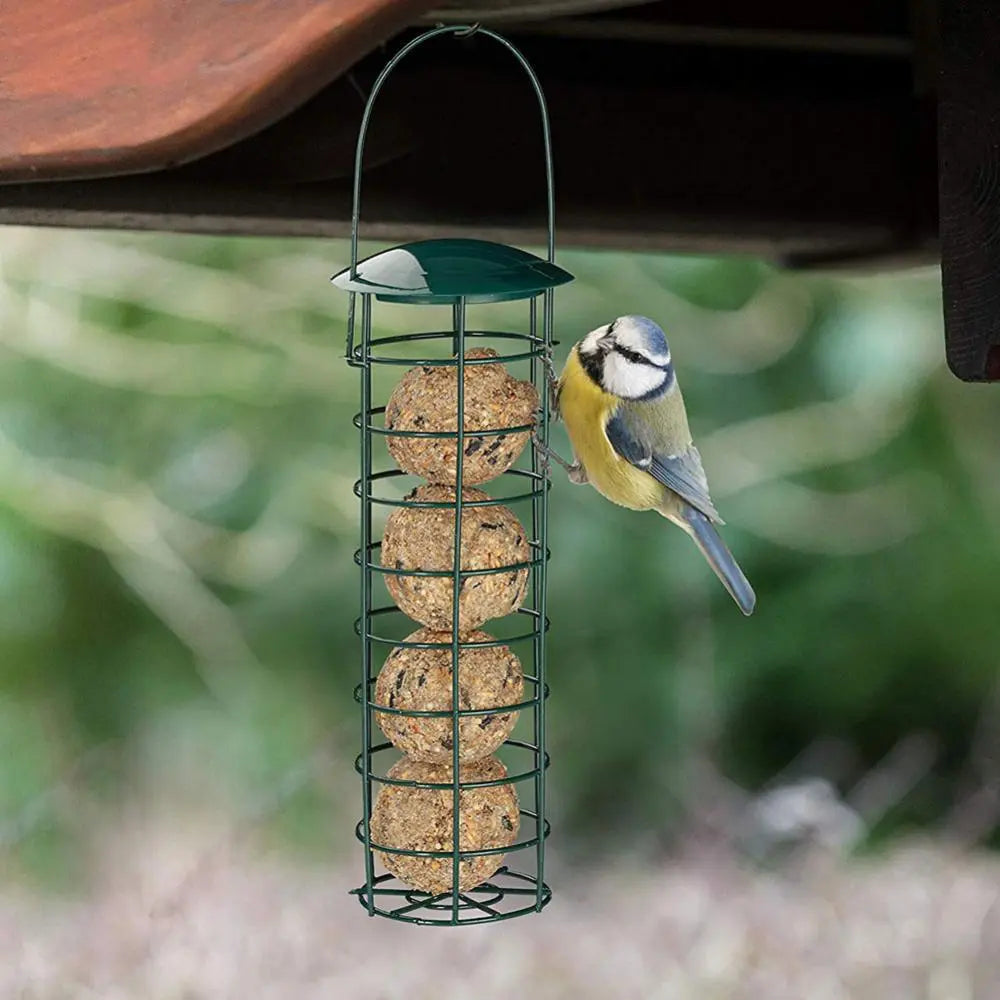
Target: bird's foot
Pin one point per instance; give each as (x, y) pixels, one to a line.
(574, 470)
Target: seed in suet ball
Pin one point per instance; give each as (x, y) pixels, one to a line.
(415, 679)
(422, 819)
(423, 538)
(426, 399)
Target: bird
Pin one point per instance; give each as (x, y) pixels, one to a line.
(623, 410)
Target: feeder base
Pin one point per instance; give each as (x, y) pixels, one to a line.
(505, 895)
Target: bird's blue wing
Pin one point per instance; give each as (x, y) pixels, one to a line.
(681, 473)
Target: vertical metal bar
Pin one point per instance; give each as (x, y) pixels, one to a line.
(540, 620)
(537, 577)
(459, 328)
(366, 591)
(349, 346)
(532, 328)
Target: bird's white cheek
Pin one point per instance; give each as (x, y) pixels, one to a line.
(628, 380)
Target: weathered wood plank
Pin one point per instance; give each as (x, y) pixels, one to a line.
(969, 159)
(98, 87)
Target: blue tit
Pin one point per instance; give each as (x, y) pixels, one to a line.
(624, 413)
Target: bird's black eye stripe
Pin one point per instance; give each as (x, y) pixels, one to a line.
(635, 357)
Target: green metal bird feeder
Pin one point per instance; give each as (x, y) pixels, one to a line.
(458, 273)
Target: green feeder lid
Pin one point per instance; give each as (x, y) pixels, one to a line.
(441, 271)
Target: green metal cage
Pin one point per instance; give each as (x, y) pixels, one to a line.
(458, 273)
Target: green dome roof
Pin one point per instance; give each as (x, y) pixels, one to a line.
(441, 271)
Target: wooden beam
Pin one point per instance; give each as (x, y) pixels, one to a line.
(804, 159)
(99, 87)
(969, 159)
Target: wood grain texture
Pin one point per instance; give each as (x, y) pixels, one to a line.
(98, 87)
(969, 179)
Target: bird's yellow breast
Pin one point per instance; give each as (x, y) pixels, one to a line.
(586, 409)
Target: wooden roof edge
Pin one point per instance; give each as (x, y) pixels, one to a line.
(95, 89)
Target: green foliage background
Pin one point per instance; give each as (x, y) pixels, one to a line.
(176, 527)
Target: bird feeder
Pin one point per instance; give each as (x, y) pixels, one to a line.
(458, 821)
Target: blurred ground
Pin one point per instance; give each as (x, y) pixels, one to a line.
(174, 916)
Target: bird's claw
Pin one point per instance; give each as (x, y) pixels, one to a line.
(573, 469)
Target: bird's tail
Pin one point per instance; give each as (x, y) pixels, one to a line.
(713, 548)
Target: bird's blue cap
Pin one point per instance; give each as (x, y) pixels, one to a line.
(650, 336)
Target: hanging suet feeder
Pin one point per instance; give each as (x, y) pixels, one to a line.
(454, 797)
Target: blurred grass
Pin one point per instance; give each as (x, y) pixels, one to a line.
(177, 523)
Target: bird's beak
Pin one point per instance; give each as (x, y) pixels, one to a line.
(607, 342)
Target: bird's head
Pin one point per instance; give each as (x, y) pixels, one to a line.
(629, 358)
